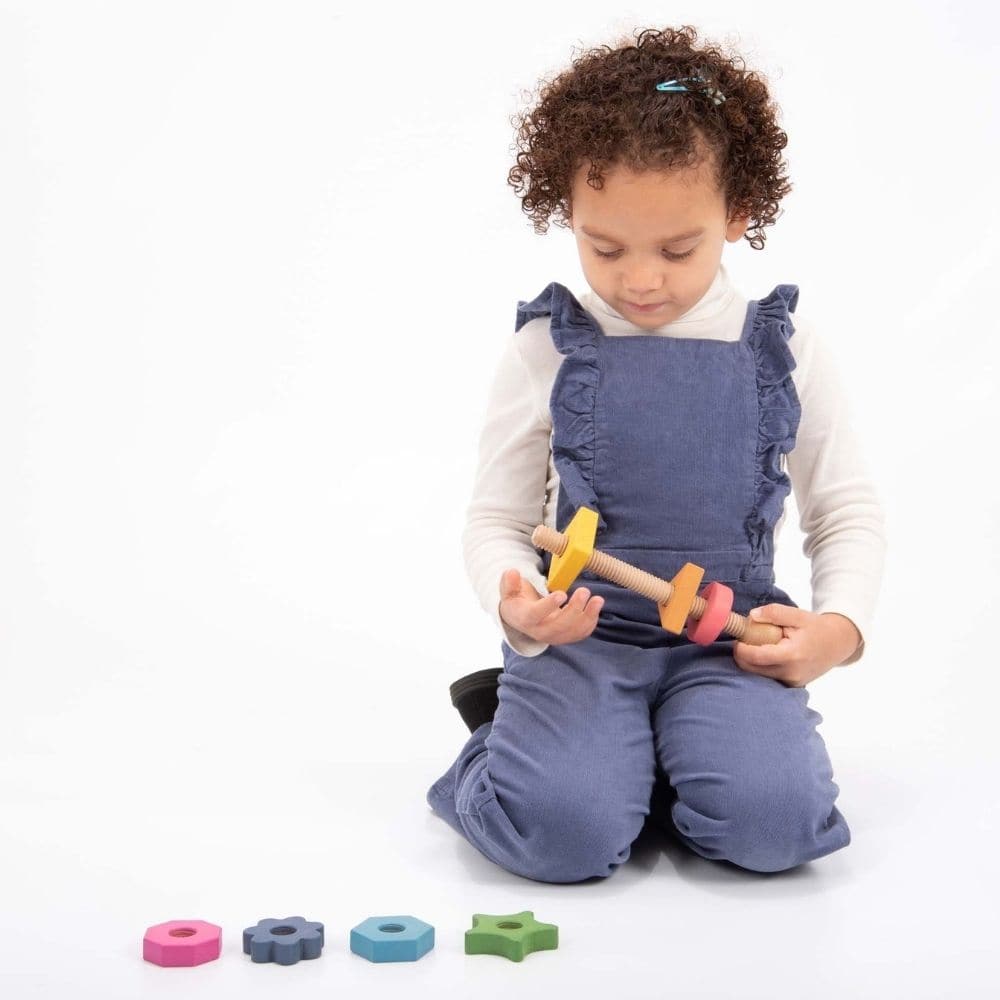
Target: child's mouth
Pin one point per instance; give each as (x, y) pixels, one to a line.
(652, 307)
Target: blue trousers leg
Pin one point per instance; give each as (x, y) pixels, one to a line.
(751, 776)
(558, 786)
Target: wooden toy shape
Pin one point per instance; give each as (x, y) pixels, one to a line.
(512, 935)
(653, 587)
(674, 614)
(568, 563)
(283, 942)
(182, 942)
(718, 603)
(392, 939)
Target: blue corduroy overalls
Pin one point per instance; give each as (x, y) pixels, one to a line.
(678, 444)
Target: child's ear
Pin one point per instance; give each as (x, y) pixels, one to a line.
(738, 225)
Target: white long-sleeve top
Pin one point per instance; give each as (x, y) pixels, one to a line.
(516, 485)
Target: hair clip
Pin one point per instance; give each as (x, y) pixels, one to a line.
(674, 86)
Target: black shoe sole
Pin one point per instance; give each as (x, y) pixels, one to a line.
(481, 680)
(476, 696)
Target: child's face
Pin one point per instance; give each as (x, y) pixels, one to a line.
(637, 217)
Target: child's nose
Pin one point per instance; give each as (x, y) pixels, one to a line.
(642, 280)
(641, 291)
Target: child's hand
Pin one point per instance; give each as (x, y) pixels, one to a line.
(547, 619)
(810, 645)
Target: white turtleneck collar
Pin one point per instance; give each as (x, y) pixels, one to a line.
(721, 305)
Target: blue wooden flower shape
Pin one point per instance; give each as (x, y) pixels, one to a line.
(283, 941)
(392, 939)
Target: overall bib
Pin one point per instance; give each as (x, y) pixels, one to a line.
(679, 445)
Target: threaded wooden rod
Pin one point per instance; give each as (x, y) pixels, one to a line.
(653, 587)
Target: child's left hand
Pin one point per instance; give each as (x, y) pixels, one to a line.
(810, 645)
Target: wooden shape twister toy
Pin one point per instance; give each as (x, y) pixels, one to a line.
(283, 942)
(685, 584)
(718, 600)
(511, 935)
(392, 939)
(182, 942)
(570, 562)
(714, 603)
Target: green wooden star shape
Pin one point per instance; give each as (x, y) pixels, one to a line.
(511, 935)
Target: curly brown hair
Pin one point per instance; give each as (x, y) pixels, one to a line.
(606, 109)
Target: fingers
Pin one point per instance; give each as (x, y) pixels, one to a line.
(553, 618)
(574, 620)
(761, 658)
(788, 673)
(522, 606)
(536, 612)
(781, 614)
(779, 661)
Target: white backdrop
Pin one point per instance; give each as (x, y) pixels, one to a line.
(257, 262)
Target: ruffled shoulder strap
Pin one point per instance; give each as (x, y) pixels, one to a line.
(571, 327)
(574, 394)
(769, 328)
(767, 333)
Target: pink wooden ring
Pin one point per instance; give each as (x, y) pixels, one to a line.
(182, 942)
(719, 600)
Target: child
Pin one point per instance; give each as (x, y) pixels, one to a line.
(670, 404)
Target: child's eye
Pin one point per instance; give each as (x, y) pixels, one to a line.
(667, 253)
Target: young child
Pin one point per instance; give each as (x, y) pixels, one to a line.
(673, 406)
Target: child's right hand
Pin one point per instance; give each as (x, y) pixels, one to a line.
(547, 619)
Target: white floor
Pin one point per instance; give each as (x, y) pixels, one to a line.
(127, 804)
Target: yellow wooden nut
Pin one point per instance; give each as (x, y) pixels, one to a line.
(685, 585)
(580, 534)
